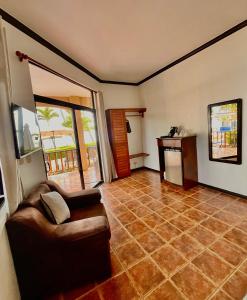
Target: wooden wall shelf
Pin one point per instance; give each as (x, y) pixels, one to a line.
(140, 110)
(138, 155)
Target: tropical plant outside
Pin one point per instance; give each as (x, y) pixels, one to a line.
(86, 123)
(47, 114)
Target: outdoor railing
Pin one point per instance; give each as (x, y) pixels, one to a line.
(61, 161)
(224, 139)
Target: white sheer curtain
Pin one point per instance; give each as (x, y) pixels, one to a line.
(10, 166)
(109, 171)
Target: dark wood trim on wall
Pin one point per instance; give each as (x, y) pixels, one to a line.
(197, 50)
(118, 82)
(13, 21)
(19, 25)
(200, 183)
(53, 101)
(222, 190)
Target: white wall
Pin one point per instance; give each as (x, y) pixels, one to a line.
(122, 96)
(180, 96)
(32, 169)
(15, 86)
(21, 89)
(8, 286)
(135, 140)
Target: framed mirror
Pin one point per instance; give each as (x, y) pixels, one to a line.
(225, 131)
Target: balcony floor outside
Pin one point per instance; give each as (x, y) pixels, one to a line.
(71, 182)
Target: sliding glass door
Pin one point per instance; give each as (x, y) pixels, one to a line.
(60, 149)
(70, 143)
(91, 167)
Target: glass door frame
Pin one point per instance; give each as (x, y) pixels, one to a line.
(74, 108)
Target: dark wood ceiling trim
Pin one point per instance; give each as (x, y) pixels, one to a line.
(13, 21)
(199, 49)
(119, 82)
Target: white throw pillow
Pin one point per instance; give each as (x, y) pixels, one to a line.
(56, 207)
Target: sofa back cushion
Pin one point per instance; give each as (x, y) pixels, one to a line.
(33, 199)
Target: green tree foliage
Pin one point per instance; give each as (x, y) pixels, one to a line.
(86, 123)
(47, 114)
(67, 121)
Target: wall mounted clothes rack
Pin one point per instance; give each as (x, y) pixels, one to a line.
(116, 123)
(127, 116)
(140, 111)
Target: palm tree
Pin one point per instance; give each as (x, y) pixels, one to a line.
(67, 122)
(86, 123)
(47, 114)
(87, 126)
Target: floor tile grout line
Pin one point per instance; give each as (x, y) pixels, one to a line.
(222, 209)
(191, 262)
(175, 225)
(97, 287)
(189, 205)
(218, 236)
(172, 283)
(154, 211)
(236, 269)
(227, 277)
(130, 278)
(207, 248)
(148, 255)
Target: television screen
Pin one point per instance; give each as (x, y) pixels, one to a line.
(26, 131)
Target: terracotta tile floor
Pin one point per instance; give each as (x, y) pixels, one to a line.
(71, 181)
(170, 244)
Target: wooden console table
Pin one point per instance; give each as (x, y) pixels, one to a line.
(187, 147)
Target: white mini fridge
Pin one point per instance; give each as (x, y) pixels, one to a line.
(173, 166)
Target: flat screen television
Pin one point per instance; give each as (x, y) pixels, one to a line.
(26, 131)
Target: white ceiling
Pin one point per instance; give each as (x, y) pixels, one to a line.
(130, 39)
(46, 84)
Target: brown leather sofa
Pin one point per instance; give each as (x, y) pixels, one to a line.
(49, 257)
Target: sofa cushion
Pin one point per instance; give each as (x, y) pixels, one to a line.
(87, 212)
(56, 207)
(90, 211)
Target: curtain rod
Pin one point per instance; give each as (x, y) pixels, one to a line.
(22, 56)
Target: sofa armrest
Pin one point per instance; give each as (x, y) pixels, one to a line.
(81, 230)
(82, 198)
(77, 199)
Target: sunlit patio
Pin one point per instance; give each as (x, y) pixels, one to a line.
(65, 151)
(71, 181)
